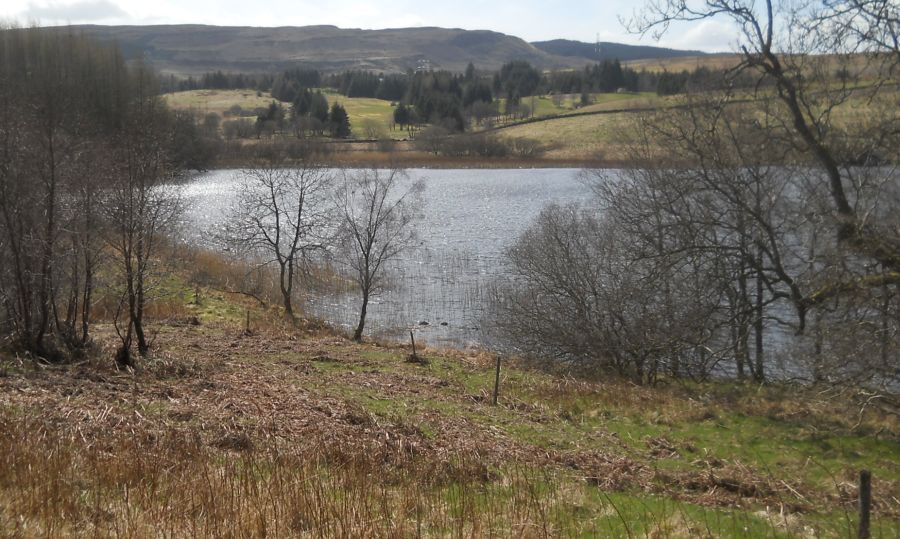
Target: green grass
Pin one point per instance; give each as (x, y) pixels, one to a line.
(368, 116)
(535, 411)
(601, 102)
(546, 105)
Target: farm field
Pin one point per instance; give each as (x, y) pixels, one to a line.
(601, 137)
(546, 105)
(371, 118)
(217, 101)
(567, 139)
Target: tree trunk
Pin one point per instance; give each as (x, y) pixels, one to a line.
(885, 327)
(143, 347)
(288, 305)
(759, 371)
(123, 354)
(47, 255)
(742, 323)
(286, 278)
(736, 347)
(135, 322)
(357, 335)
(818, 343)
(86, 302)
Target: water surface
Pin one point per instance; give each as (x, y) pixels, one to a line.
(470, 218)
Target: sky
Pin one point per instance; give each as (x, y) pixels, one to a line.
(532, 20)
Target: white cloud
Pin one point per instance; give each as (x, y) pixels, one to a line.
(407, 20)
(708, 35)
(80, 11)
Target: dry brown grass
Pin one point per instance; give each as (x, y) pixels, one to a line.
(59, 483)
(285, 432)
(688, 63)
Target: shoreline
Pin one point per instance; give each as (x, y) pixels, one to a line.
(358, 158)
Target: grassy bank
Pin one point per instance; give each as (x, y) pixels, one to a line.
(296, 431)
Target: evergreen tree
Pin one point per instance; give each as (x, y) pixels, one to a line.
(477, 91)
(470, 72)
(318, 107)
(302, 103)
(519, 79)
(401, 115)
(340, 121)
(393, 87)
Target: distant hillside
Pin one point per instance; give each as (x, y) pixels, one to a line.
(194, 49)
(608, 51)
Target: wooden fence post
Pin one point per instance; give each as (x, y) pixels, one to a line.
(413, 339)
(497, 382)
(865, 503)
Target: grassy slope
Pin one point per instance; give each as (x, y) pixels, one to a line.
(366, 114)
(570, 103)
(289, 431)
(582, 137)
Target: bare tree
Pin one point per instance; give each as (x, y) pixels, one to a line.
(742, 208)
(81, 246)
(377, 217)
(824, 109)
(730, 209)
(60, 104)
(281, 216)
(577, 293)
(793, 49)
(140, 205)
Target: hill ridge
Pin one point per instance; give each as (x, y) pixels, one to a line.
(191, 49)
(610, 50)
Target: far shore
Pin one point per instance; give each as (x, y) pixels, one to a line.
(415, 159)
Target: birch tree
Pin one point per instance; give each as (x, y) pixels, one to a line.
(377, 223)
(281, 218)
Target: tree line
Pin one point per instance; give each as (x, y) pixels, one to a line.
(88, 152)
(515, 80)
(309, 115)
(218, 80)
